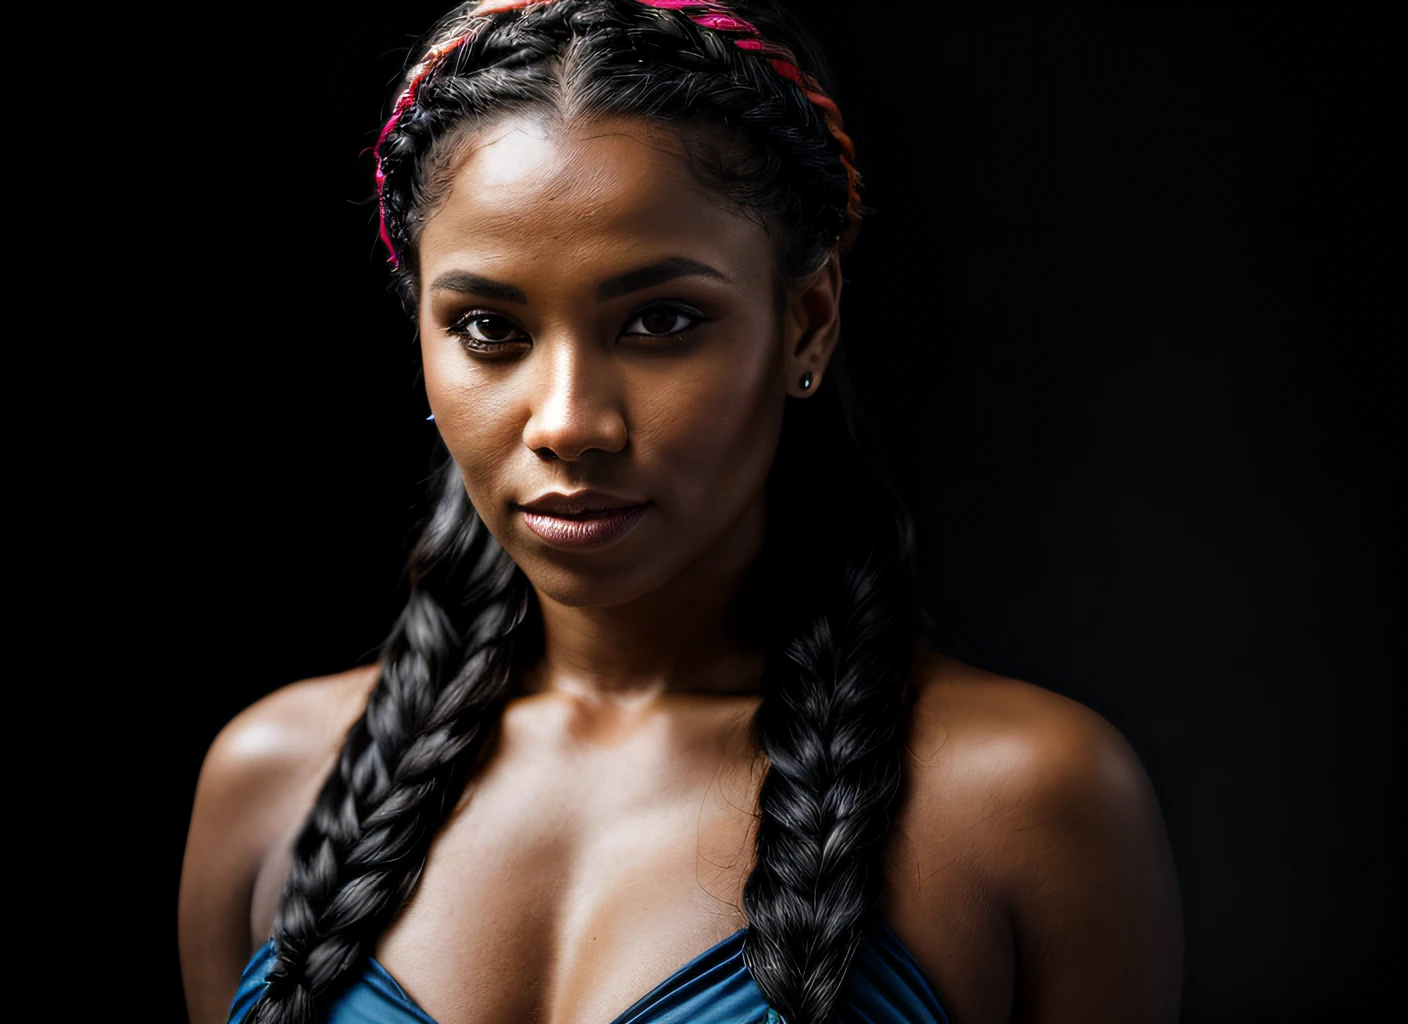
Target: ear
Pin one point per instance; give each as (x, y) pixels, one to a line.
(811, 326)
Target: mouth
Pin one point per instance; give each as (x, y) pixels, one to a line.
(589, 528)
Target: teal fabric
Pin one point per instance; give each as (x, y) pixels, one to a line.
(886, 986)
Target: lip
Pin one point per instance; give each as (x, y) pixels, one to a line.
(585, 519)
(555, 503)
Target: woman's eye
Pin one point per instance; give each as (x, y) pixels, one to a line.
(487, 329)
(663, 322)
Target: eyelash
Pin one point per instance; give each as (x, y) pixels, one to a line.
(460, 327)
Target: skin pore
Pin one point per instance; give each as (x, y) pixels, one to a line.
(591, 316)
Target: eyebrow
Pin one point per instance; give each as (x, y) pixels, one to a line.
(656, 273)
(623, 284)
(473, 284)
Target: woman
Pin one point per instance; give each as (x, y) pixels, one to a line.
(657, 688)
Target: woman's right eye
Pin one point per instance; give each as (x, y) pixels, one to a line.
(480, 330)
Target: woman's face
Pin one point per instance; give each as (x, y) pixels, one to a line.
(592, 318)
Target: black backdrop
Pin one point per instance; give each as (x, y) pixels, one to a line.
(1123, 313)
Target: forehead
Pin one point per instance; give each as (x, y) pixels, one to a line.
(583, 193)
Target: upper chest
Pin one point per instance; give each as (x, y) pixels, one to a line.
(592, 856)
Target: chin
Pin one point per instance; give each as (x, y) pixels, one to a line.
(594, 586)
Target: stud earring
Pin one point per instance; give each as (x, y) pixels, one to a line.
(806, 380)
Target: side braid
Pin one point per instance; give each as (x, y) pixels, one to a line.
(832, 719)
(444, 679)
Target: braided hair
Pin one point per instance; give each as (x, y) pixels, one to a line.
(836, 609)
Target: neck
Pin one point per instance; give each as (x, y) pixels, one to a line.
(683, 637)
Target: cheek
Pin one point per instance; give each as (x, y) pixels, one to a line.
(716, 430)
(476, 422)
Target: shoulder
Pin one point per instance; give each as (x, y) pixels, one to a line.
(258, 779)
(256, 774)
(292, 729)
(1021, 753)
(1041, 803)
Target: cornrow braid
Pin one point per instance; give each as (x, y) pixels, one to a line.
(427, 65)
(719, 17)
(745, 88)
(709, 14)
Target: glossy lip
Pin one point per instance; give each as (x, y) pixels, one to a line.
(595, 530)
(582, 519)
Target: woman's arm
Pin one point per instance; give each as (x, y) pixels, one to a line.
(256, 785)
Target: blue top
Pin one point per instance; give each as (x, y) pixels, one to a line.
(885, 986)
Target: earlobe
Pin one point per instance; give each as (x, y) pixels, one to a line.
(814, 322)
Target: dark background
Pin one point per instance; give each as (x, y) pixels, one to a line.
(1122, 313)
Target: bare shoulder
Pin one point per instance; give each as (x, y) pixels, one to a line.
(1037, 808)
(1022, 752)
(290, 729)
(256, 783)
(258, 768)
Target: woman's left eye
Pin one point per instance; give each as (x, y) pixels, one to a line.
(663, 322)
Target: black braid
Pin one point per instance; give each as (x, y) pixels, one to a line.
(835, 704)
(834, 692)
(444, 678)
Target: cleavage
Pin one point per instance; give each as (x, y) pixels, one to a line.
(584, 864)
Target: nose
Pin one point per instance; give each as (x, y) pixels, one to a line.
(575, 404)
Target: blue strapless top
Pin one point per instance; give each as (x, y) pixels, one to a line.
(886, 986)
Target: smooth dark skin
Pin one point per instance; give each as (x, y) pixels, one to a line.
(608, 839)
